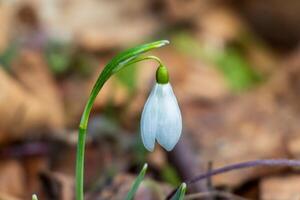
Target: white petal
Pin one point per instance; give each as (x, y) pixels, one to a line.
(149, 120)
(169, 117)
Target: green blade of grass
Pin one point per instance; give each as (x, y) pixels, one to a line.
(179, 195)
(137, 183)
(34, 197)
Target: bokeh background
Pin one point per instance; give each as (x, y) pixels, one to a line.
(234, 66)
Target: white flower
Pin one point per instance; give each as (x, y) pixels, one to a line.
(161, 118)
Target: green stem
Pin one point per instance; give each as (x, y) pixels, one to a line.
(80, 164)
(145, 58)
(116, 64)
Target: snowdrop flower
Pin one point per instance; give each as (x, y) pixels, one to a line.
(161, 117)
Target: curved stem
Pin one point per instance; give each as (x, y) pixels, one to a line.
(98, 86)
(116, 64)
(253, 163)
(145, 58)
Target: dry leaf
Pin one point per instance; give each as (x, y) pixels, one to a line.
(12, 179)
(280, 188)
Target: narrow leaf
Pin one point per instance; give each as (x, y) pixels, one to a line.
(179, 195)
(137, 183)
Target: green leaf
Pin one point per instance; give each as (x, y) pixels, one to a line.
(120, 61)
(34, 197)
(179, 195)
(137, 182)
(129, 55)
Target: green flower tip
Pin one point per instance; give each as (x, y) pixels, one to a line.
(162, 75)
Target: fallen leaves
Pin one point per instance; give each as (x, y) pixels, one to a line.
(220, 126)
(284, 187)
(148, 190)
(259, 124)
(12, 180)
(24, 100)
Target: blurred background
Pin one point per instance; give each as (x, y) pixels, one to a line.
(234, 66)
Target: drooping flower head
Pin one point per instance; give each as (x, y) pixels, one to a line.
(161, 118)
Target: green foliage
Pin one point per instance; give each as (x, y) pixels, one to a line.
(170, 175)
(58, 56)
(236, 69)
(179, 195)
(137, 183)
(230, 61)
(63, 58)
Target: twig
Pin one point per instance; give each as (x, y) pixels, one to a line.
(209, 181)
(254, 163)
